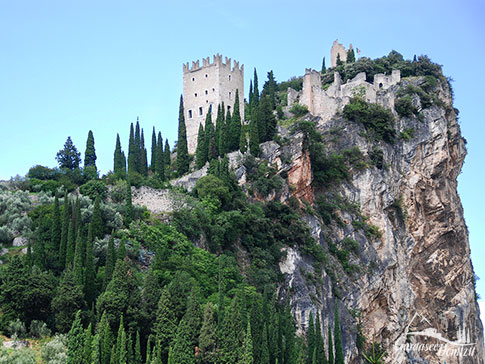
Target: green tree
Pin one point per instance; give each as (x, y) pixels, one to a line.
(137, 359)
(110, 261)
(200, 153)
(165, 325)
(182, 151)
(90, 156)
(324, 68)
(56, 231)
(120, 351)
(166, 152)
(350, 56)
(69, 157)
(331, 359)
(132, 153)
(339, 61)
(247, 348)
(88, 346)
(160, 158)
(78, 261)
(137, 146)
(264, 346)
(269, 90)
(254, 138)
(143, 169)
(183, 350)
(266, 119)
(255, 98)
(208, 336)
(64, 232)
(128, 205)
(311, 339)
(75, 341)
(153, 160)
(235, 125)
(70, 246)
(339, 352)
(68, 300)
(119, 164)
(320, 356)
(97, 219)
(90, 271)
(210, 137)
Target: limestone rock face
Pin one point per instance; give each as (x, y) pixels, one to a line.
(418, 274)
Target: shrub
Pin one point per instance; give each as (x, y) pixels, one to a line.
(404, 106)
(299, 110)
(118, 192)
(17, 356)
(41, 172)
(376, 156)
(17, 329)
(94, 188)
(294, 83)
(55, 351)
(39, 329)
(6, 235)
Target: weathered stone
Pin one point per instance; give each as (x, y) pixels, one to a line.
(20, 241)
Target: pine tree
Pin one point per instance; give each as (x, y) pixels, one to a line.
(88, 346)
(128, 205)
(160, 158)
(132, 151)
(120, 351)
(70, 247)
(267, 120)
(264, 346)
(97, 219)
(121, 252)
(183, 349)
(166, 153)
(56, 228)
(255, 89)
(143, 156)
(208, 336)
(137, 147)
(75, 341)
(320, 356)
(339, 60)
(69, 157)
(90, 155)
(90, 271)
(210, 137)
(350, 56)
(182, 152)
(119, 162)
(77, 217)
(105, 340)
(254, 138)
(269, 90)
(235, 125)
(165, 324)
(331, 359)
(153, 160)
(137, 359)
(339, 352)
(324, 69)
(78, 261)
(64, 232)
(200, 155)
(110, 261)
(311, 339)
(247, 348)
(250, 100)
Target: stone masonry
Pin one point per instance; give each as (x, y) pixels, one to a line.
(207, 87)
(337, 49)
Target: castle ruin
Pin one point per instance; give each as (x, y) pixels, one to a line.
(338, 50)
(207, 87)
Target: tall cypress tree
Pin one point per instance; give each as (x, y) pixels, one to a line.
(269, 90)
(267, 119)
(105, 340)
(311, 339)
(183, 350)
(90, 271)
(119, 162)
(64, 232)
(160, 158)
(320, 356)
(182, 151)
(331, 359)
(153, 160)
(235, 125)
(132, 151)
(208, 336)
(324, 68)
(75, 341)
(97, 219)
(218, 128)
(77, 217)
(128, 205)
(120, 351)
(255, 89)
(110, 261)
(56, 228)
(339, 351)
(350, 56)
(137, 358)
(143, 156)
(210, 138)
(247, 348)
(137, 148)
(166, 153)
(78, 261)
(88, 345)
(250, 100)
(200, 153)
(165, 324)
(222, 127)
(254, 138)
(264, 359)
(90, 153)
(70, 246)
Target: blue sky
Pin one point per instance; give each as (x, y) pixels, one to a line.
(67, 67)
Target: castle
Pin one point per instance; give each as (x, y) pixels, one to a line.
(336, 51)
(207, 87)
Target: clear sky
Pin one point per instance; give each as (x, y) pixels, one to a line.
(70, 66)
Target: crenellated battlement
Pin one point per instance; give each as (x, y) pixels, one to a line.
(217, 61)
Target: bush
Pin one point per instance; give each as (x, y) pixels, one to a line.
(6, 235)
(404, 106)
(17, 329)
(376, 156)
(17, 356)
(299, 110)
(93, 189)
(41, 172)
(118, 192)
(377, 120)
(39, 329)
(55, 351)
(295, 83)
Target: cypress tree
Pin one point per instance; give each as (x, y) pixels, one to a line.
(75, 341)
(324, 69)
(165, 324)
(143, 156)
(247, 348)
(320, 356)
(255, 89)
(210, 138)
(183, 350)
(153, 160)
(137, 146)
(56, 228)
(243, 144)
(77, 217)
(350, 56)
(160, 158)
(229, 339)
(78, 261)
(130, 356)
(70, 246)
(97, 219)
(235, 124)
(64, 232)
(182, 151)
(339, 61)
(28, 257)
(254, 138)
(106, 339)
(218, 128)
(39, 254)
(250, 100)
(121, 252)
(90, 153)
(200, 155)
(110, 261)
(193, 316)
(208, 336)
(120, 351)
(269, 90)
(311, 339)
(267, 120)
(137, 359)
(88, 346)
(128, 205)
(264, 359)
(223, 134)
(166, 153)
(119, 162)
(339, 352)
(131, 151)
(90, 271)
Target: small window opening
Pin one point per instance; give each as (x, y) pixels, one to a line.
(193, 78)
(201, 111)
(195, 94)
(206, 92)
(190, 114)
(380, 85)
(230, 94)
(229, 77)
(206, 75)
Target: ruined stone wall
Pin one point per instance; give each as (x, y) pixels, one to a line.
(337, 49)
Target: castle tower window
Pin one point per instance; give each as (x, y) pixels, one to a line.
(201, 111)
(206, 75)
(380, 85)
(193, 79)
(230, 94)
(190, 114)
(206, 92)
(229, 77)
(195, 94)
(213, 90)
(228, 108)
(206, 101)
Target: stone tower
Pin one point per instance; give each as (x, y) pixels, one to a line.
(207, 87)
(337, 49)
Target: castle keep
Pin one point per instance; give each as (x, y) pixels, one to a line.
(207, 87)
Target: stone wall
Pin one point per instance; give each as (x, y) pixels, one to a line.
(337, 49)
(207, 87)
